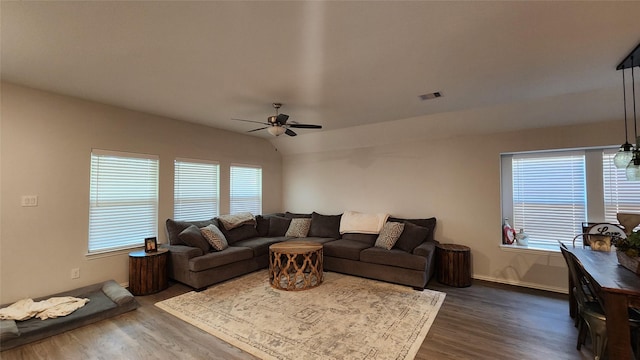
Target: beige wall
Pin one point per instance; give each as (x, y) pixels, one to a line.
(456, 180)
(46, 142)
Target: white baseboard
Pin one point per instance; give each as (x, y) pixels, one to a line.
(522, 284)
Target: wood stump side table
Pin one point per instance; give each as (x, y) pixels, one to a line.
(148, 272)
(295, 265)
(453, 264)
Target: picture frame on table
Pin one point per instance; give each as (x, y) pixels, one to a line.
(150, 244)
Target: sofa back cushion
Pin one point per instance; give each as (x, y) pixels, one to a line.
(174, 228)
(429, 223)
(242, 232)
(278, 226)
(325, 225)
(368, 239)
(290, 215)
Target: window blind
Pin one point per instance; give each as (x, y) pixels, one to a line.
(123, 208)
(196, 189)
(549, 196)
(620, 194)
(246, 190)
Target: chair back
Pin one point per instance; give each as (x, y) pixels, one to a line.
(582, 289)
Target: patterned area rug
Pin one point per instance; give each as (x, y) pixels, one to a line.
(345, 317)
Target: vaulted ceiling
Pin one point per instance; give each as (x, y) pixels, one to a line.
(338, 64)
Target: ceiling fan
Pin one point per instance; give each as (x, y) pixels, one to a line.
(278, 125)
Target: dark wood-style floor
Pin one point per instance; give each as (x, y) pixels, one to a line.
(484, 321)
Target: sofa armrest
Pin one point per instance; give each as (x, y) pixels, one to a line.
(426, 249)
(183, 251)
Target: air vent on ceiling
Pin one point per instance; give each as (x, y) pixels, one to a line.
(430, 96)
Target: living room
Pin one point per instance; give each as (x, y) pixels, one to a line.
(441, 160)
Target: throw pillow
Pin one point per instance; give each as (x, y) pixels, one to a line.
(412, 236)
(192, 236)
(262, 225)
(246, 231)
(278, 226)
(299, 227)
(175, 227)
(429, 223)
(215, 237)
(325, 225)
(389, 234)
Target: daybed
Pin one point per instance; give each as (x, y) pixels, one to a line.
(106, 299)
(192, 260)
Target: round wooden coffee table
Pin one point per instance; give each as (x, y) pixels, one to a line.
(295, 265)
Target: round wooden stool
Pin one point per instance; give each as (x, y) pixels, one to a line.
(453, 264)
(295, 265)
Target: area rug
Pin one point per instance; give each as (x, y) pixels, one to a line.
(345, 317)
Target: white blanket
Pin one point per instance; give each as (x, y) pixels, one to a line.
(355, 222)
(232, 221)
(51, 308)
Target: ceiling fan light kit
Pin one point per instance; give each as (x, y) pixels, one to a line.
(277, 124)
(628, 157)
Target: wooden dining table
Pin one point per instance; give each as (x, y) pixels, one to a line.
(618, 289)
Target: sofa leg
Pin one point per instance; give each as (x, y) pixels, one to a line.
(200, 289)
(417, 288)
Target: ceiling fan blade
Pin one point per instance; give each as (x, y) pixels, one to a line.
(290, 132)
(305, 126)
(251, 121)
(262, 128)
(282, 118)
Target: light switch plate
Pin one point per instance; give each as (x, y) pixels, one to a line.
(29, 200)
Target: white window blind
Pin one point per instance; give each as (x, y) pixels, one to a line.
(549, 196)
(123, 208)
(246, 190)
(195, 190)
(620, 194)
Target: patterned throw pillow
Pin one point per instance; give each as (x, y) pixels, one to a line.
(299, 227)
(389, 234)
(215, 237)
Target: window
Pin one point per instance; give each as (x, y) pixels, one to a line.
(246, 190)
(620, 194)
(123, 193)
(550, 194)
(195, 190)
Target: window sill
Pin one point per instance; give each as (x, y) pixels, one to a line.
(533, 249)
(110, 253)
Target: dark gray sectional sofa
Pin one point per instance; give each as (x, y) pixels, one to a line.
(193, 262)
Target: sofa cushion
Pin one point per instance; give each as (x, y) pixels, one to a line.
(299, 227)
(260, 245)
(278, 226)
(192, 236)
(242, 232)
(229, 255)
(429, 223)
(412, 236)
(290, 215)
(325, 225)
(319, 240)
(368, 239)
(174, 228)
(8, 330)
(262, 225)
(393, 257)
(389, 235)
(345, 249)
(215, 237)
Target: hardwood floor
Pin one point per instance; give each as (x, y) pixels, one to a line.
(484, 321)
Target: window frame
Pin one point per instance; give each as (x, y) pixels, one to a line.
(128, 224)
(216, 189)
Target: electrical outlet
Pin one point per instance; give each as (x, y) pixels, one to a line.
(75, 273)
(29, 200)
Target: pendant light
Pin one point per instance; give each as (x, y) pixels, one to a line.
(624, 155)
(633, 169)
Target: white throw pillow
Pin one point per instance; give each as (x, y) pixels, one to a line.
(389, 234)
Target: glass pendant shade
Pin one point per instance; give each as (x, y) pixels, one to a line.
(633, 169)
(623, 156)
(276, 130)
